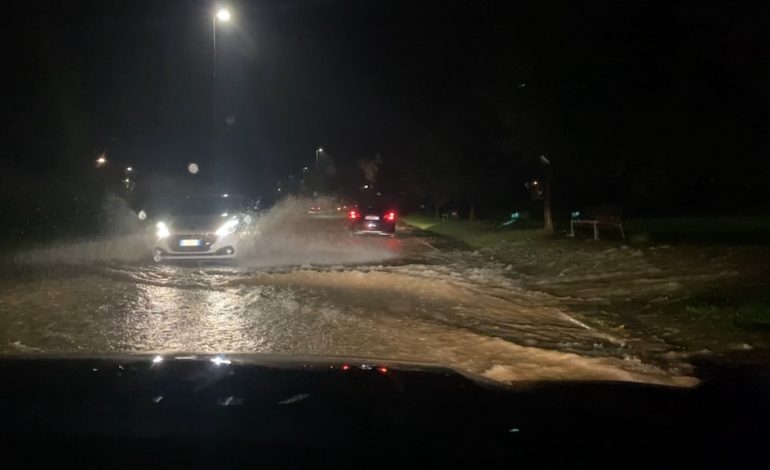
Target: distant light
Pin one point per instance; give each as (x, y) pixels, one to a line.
(219, 360)
(345, 367)
(522, 85)
(575, 214)
(101, 161)
(366, 186)
(535, 183)
(223, 15)
(382, 370)
(279, 190)
(157, 359)
(320, 149)
(142, 214)
(192, 168)
(225, 195)
(129, 169)
(127, 180)
(225, 214)
(514, 215)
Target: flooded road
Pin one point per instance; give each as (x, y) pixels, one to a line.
(313, 292)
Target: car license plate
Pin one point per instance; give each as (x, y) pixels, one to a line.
(189, 243)
(372, 217)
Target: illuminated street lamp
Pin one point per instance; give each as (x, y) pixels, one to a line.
(318, 151)
(129, 169)
(223, 15)
(101, 160)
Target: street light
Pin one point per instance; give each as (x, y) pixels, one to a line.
(129, 169)
(317, 151)
(223, 15)
(101, 160)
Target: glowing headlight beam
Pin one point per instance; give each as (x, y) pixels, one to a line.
(227, 228)
(162, 230)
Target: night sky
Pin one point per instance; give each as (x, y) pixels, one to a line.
(630, 100)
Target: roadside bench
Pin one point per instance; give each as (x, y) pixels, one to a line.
(595, 223)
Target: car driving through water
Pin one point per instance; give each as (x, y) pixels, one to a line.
(198, 227)
(376, 218)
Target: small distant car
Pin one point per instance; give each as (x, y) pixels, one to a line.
(203, 227)
(377, 219)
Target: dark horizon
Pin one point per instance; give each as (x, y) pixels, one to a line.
(652, 105)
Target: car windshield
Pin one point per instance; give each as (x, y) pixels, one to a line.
(521, 191)
(202, 205)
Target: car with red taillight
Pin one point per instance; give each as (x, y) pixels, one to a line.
(375, 219)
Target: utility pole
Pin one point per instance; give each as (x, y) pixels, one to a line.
(547, 218)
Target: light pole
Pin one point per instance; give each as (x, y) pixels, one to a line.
(546, 188)
(223, 15)
(219, 15)
(318, 151)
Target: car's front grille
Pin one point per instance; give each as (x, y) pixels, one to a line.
(207, 239)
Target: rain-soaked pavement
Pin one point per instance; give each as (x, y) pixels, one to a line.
(309, 291)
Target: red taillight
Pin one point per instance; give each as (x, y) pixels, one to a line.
(352, 215)
(382, 370)
(345, 367)
(390, 216)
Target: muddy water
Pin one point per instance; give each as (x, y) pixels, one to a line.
(311, 294)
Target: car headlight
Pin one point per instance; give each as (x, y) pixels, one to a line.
(162, 230)
(227, 228)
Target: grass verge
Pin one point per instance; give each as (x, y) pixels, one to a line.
(695, 313)
(478, 233)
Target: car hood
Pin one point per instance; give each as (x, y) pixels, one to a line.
(198, 222)
(279, 404)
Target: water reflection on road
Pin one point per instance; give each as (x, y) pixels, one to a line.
(375, 297)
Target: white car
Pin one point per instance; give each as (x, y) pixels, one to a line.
(203, 227)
